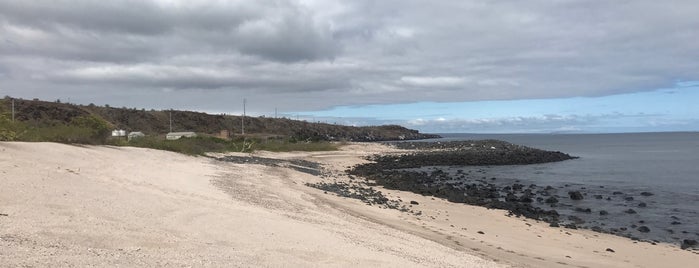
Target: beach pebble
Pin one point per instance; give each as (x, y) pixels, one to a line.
(570, 226)
(551, 200)
(583, 210)
(642, 205)
(603, 212)
(630, 211)
(687, 243)
(646, 193)
(610, 250)
(643, 229)
(414, 203)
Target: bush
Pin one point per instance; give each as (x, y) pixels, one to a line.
(82, 129)
(8, 129)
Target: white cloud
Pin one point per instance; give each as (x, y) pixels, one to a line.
(431, 81)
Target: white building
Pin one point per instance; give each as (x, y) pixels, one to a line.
(178, 135)
(135, 135)
(119, 133)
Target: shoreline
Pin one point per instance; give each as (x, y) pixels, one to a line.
(455, 170)
(151, 206)
(439, 221)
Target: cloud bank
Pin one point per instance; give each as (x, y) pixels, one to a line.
(313, 54)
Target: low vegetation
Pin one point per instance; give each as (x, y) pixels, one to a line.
(42, 121)
(91, 129)
(82, 129)
(201, 145)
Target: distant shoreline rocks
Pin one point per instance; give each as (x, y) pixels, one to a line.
(422, 170)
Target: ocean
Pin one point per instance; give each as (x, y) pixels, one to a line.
(612, 171)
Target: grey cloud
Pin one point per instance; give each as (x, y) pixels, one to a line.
(550, 123)
(117, 31)
(345, 52)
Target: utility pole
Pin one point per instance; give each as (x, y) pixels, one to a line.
(242, 120)
(275, 112)
(13, 110)
(171, 120)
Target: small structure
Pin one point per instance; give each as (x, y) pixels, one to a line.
(224, 134)
(119, 133)
(178, 135)
(135, 135)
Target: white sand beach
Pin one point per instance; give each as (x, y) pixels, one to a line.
(69, 205)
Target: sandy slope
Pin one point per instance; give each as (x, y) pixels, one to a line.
(104, 206)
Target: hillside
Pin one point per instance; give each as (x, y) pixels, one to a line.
(153, 122)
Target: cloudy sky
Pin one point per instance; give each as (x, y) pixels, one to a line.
(438, 66)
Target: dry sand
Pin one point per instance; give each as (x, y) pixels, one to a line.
(106, 206)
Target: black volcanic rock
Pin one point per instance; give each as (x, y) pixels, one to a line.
(407, 172)
(575, 195)
(551, 200)
(583, 210)
(688, 243)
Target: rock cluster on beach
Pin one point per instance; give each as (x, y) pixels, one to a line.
(389, 171)
(418, 171)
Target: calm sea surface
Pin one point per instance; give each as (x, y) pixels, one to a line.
(665, 164)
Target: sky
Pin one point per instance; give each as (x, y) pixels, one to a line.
(436, 66)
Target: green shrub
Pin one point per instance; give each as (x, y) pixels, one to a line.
(8, 129)
(82, 129)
